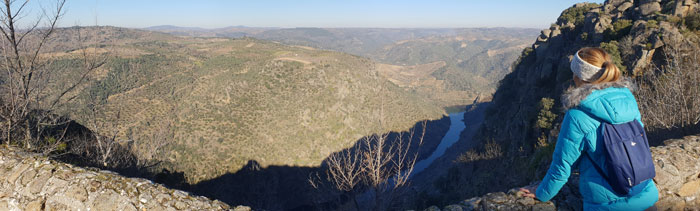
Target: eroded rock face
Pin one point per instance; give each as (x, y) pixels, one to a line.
(677, 178)
(32, 182)
(678, 173)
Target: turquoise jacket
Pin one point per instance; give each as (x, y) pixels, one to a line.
(580, 133)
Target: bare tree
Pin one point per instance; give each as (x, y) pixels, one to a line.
(668, 95)
(380, 166)
(345, 173)
(29, 96)
(387, 165)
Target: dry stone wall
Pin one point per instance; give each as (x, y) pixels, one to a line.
(32, 182)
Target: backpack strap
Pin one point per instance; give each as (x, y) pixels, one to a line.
(598, 168)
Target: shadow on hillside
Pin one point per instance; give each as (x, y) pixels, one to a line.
(288, 187)
(270, 188)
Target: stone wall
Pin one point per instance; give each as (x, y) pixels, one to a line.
(32, 182)
(677, 165)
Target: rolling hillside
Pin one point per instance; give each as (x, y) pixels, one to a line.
(470, 62)
(474, 58)
(230, 101)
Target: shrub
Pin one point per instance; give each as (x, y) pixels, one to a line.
(652, 24)
(487, 151)
(648, 46)
(613, 49)
(674, 20)
(546, 117)
(692, 21)
(620, 28)
(576, 15)
(668, 95)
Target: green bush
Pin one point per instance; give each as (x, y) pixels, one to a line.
(620, 28)
(613, 49)
(648, 46)
(576, 15)
(546, 117)
(674, 20)
(652, 24)
(692, 21)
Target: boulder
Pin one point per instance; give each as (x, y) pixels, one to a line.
(556, 31)
(622, 8)
(646, 9)
(682, 7)
(678, 173)
(544, 35)
(644, 60)
(616, 3)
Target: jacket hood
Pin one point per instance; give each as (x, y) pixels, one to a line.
(612, 102)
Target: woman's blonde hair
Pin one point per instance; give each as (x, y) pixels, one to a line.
(599, 58)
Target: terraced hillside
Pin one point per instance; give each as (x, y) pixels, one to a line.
(230, 101)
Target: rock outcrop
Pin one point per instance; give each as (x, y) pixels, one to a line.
(33, 182)
(682, 7)
(678, 173)
(636, 33)
(677, 178)
(543, 70)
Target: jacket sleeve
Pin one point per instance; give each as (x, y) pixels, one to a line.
(568, 149)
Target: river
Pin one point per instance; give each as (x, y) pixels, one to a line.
(452, 136)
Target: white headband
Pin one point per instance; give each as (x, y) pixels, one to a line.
(584, 70)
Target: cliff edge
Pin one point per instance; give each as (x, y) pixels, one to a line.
(33, 182)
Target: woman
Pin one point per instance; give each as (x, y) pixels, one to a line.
(601, 94)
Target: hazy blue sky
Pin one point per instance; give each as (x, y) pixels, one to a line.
(316, 13)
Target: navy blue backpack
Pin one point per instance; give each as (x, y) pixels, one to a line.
(627, 156)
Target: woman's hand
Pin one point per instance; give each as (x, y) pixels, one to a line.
(529, 191)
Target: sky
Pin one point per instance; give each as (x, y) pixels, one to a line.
(315, 13)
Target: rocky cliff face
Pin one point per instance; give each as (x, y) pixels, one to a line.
(525, 111)
(634, 32)
(677, 177)
(32, 182)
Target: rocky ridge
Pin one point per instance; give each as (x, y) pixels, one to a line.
(33, 182)
(525, 113)
(677, 178)
(543, 70)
